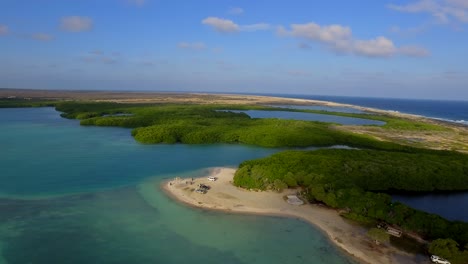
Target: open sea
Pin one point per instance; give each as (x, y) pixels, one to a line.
(74, 194)
(453, 111)
(446, 205)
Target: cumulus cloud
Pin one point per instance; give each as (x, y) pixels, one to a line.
(76, 23)
(378, 47)
(192, 45)
(228, 26)
(444, 11)
(236, 11)
(340, 39)
(221, 25)
(313, 31)
(42, 37)
(4, 29)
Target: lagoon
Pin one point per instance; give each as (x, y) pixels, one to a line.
(343, 120)
(339, 109)
(74, 194)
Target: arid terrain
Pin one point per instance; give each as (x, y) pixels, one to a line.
(455, 137)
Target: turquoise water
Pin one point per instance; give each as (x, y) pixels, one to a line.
(343, 120)
(73, 194)
(340, 109)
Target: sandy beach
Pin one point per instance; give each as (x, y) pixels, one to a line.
(224, 196)
(452, 139)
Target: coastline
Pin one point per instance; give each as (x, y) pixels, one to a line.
(453, 137)
(224, 196)
(199, 98)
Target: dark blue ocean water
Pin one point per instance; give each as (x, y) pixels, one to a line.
(455, 111)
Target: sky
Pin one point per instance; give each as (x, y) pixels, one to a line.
(367, 48)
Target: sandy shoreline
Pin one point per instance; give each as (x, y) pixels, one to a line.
(226, 197)
(196, 98)
(452, 139)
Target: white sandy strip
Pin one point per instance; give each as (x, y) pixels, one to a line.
(225, 196)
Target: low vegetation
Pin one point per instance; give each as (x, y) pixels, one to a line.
(355, 180)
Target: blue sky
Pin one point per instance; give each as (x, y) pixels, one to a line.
(403, 49)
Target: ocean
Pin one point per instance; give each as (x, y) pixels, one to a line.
(73, 194)
(446, 205)
(453, 111)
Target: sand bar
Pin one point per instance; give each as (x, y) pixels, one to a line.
(224, 196)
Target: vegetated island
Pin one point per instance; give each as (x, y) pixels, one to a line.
(353, 181)
(224, 196)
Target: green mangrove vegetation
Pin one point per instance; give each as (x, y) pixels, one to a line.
(202, 124)
(357, 181)
(16, 103)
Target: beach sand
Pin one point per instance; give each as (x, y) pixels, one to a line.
(452, 139)
(224, 196)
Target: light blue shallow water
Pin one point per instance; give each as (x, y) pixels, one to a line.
(343, 120)
(340, 109)
(118, 213)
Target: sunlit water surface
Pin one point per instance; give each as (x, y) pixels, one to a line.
(73, 194)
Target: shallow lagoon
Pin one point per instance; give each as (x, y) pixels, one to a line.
(340, 109)
(343, 120)
(75, 194)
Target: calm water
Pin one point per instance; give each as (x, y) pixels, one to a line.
(309, 117)
(73, 194)
(451, 206)
(340, 109)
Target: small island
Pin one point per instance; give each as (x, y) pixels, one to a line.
(224, 196)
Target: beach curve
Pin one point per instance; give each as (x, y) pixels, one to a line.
(224, 196)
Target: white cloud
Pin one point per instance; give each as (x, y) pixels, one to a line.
(76, 23)
(221, 25)
(137, 2)
(378, 47)
(236, 11)
(312, 31)
(459, 3)
(42, 37)
(228, 26)
(4, 29)
(444, 11)
(340, 39)
(192, 45)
